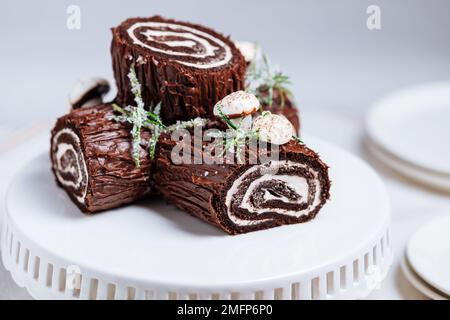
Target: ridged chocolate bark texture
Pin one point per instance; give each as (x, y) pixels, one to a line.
(200, 189)
(113, 179)
(186, 92)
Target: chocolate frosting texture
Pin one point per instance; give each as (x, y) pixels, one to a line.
(103, 146)
(186, 66)
(217, 193)
(92, 160)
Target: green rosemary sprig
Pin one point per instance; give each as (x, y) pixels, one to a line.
(140, 119)
(262, 76)
(238, 137)
(280, 82)
(179, 125)
(226, 118)
(297, 138)
(153, 141)
(234, 140)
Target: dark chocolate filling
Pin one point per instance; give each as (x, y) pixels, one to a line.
(277, 187)
(291, 152)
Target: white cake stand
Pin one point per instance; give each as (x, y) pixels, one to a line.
(153, 251)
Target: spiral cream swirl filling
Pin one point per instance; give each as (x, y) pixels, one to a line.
(295, 183)
(69, 164)
(197, 40)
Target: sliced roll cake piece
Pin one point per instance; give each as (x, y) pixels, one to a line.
(240, 198)
(93, 162)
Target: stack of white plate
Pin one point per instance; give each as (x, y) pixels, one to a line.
(409, 131)
(426, 263)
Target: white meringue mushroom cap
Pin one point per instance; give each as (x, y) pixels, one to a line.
(85, 86)
(250, 50)
(237, 104)
(274, 128)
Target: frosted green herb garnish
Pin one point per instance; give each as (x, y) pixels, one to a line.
(236, 138)
(262, 76)
(143, 119)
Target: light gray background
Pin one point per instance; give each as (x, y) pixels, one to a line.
(337, 65)
(335, 62)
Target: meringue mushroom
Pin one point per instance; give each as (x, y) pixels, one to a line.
(250, 50)
(238, 107)
(274, 128)
(88, 92)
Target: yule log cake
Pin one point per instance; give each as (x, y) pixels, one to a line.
(269, 180)
(240, 198)
(92, 160)
(186, 66)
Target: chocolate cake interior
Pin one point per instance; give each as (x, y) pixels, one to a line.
(289, 190)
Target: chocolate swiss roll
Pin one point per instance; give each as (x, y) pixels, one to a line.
(240, 198)
(92, 160)
(186, 66)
